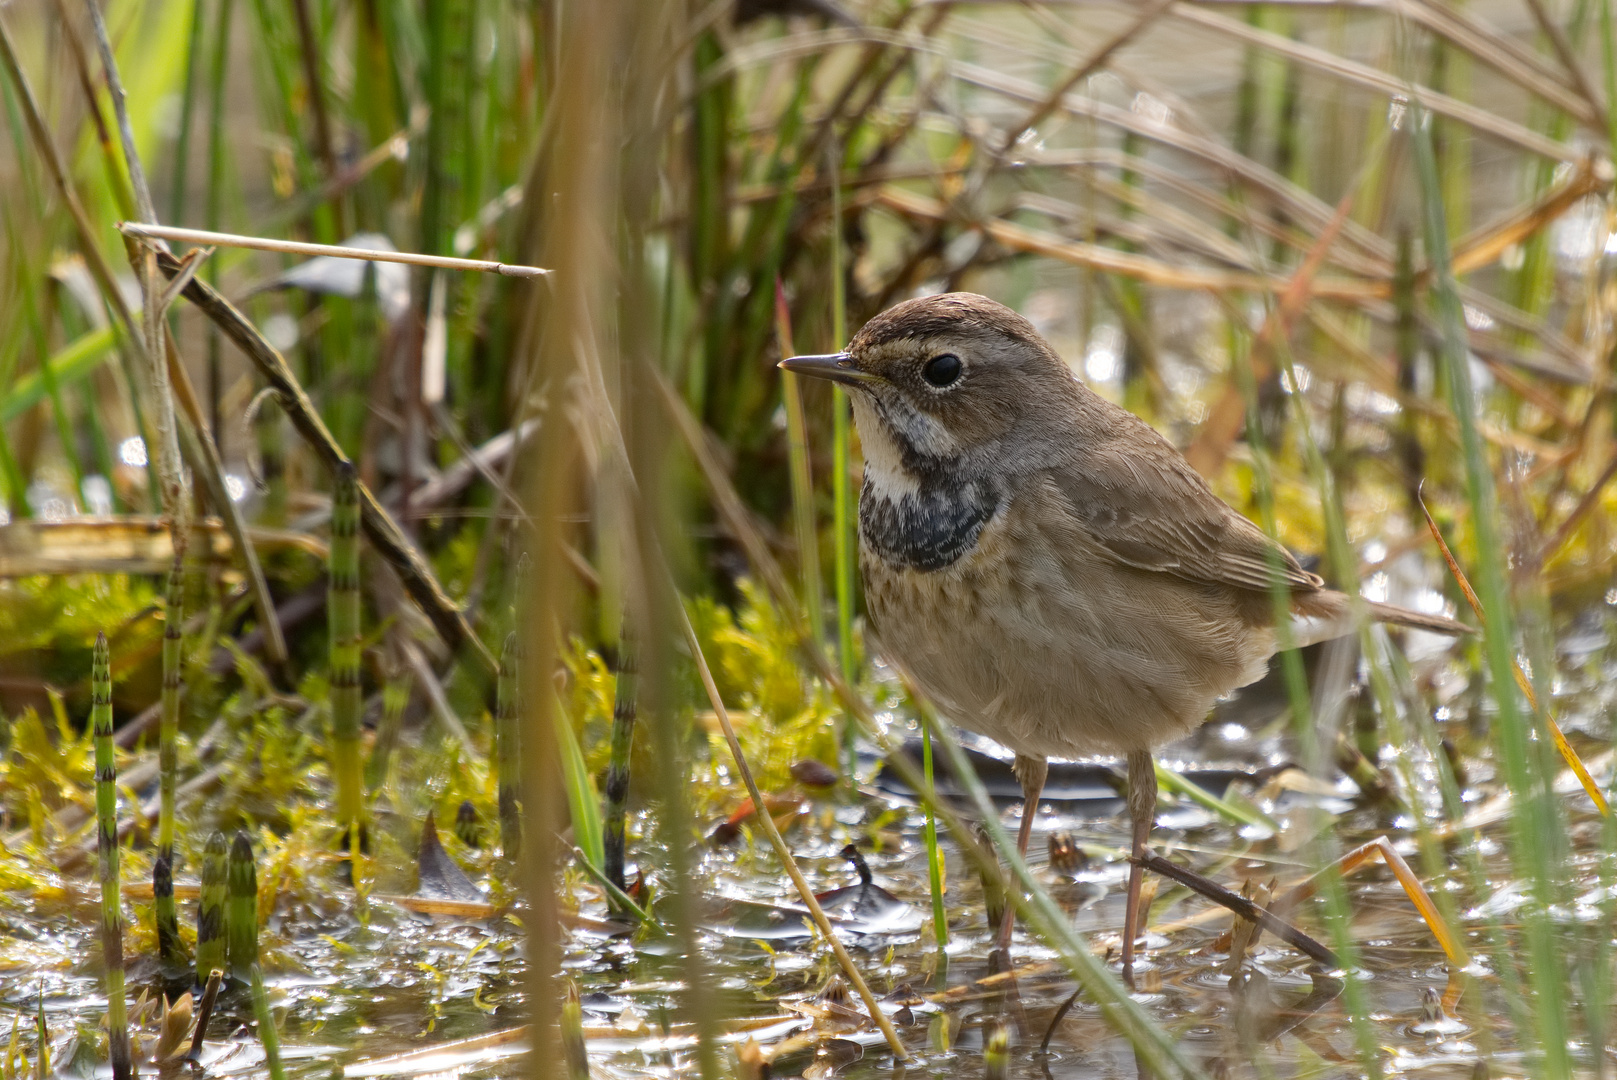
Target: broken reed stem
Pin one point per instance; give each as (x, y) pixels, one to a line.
(508, 745)
(211, 917)
(292, 247)
(244, 946)
(168, 764)
(617, 771)
(784, 853)
(106, 809)
(342, 609)
(210, 994)
(386, 538)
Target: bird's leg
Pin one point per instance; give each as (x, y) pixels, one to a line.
(1031, 771)
(1142, 814)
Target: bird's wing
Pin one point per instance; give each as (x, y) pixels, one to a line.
(1147, 508)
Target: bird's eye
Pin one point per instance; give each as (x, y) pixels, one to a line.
(942, 370)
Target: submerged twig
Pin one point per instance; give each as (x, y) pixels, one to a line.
(1242, 907)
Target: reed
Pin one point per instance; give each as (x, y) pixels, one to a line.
(106, 810)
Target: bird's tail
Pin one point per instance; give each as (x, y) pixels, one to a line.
(1418, 620)
(1327, 614)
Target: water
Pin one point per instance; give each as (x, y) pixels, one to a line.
(353, 987)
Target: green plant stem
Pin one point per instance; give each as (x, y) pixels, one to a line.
(1536, 830)
(243, 874)
(508, 745)
(395, 697)
(211, 218)
(170, 950)
(168, 753)
(212, 917)
(802, 477)
(242, 920)
(574, 1048)
(615, 853)
(843, 518)
(583, 804)
(267, 1035)
(934, 858)
(342, 607)
(106, 809)
(182, 144)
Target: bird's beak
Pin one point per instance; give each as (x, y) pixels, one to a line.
(838, 367)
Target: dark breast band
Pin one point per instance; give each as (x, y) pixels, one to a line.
(927, 530)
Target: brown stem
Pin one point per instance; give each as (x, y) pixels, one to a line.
(383, 531)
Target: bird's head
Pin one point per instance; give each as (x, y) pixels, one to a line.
(953, 380)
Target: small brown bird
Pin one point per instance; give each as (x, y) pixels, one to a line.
(1049, 568)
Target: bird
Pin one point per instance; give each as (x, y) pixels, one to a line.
(1046, 566)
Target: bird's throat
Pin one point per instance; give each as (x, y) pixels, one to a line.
(925, 526)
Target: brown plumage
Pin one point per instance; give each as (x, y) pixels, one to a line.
(1049, 568)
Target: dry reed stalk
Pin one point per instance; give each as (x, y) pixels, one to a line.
(294, 247)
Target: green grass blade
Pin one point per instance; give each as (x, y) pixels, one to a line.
(582, 801)
(1536, 829)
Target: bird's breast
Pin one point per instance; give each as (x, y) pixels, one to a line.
(923, 527)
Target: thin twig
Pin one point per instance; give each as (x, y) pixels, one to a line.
(294, 247)
(1242, 907)
(782, 851)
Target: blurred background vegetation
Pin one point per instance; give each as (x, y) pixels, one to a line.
(1277, 231)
